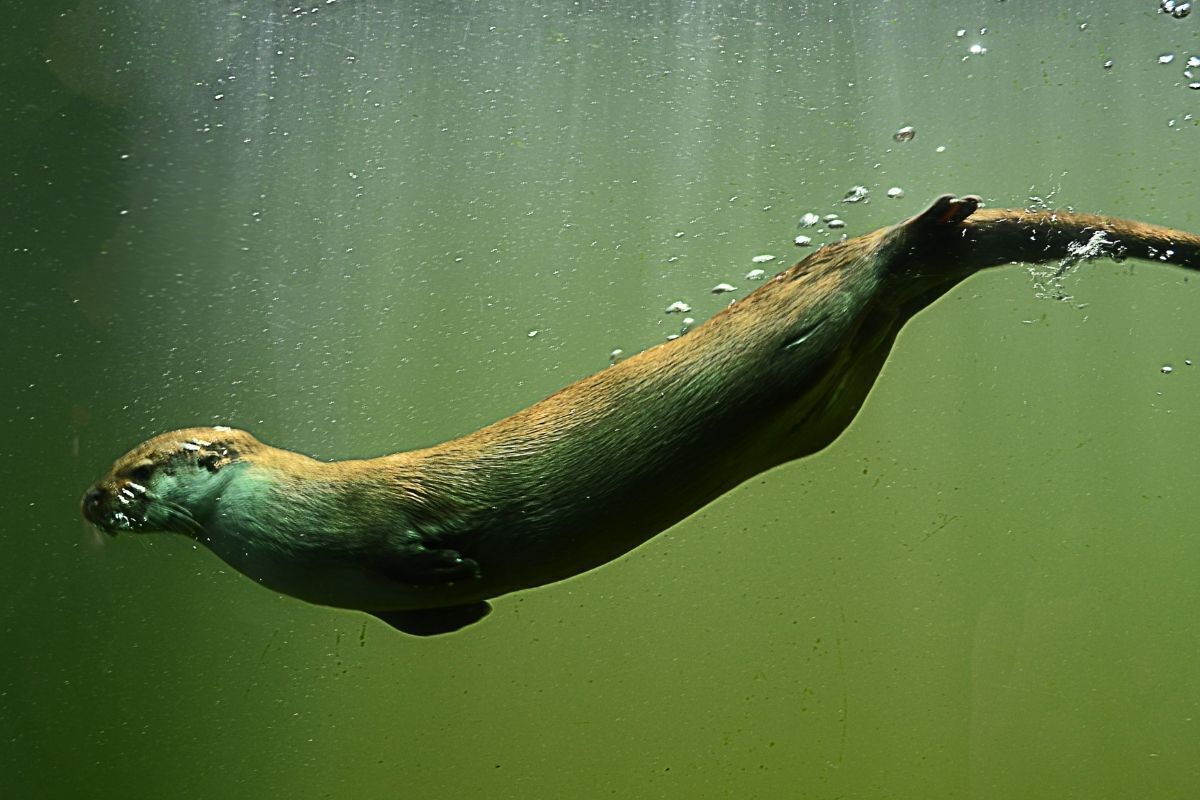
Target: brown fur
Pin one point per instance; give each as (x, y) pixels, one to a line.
(594, 470)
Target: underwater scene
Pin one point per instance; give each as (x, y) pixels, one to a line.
(897, 524)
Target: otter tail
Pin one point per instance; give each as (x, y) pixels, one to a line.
(991, 237)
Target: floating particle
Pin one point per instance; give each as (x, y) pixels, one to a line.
(1166, 58)
(1167, 369)
(803, 241)
(755, 274)
(678, 307)
(808, 220)
(836, 223)
(763, 259)
(856, 194)
(722, 288)
(905, 134)
(895, 191)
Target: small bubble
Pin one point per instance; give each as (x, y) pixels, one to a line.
(941, 148)
(1167, 369)
(829, 217)
(961, 32)
(532, 334)
(803, 241)
(1195, 85)
(755, 274)
(976, 49)
(679, 234)
(678, 307)
(856, 194)
(615, 356)
(1108, 64)
(722, 288)
(808, 220)
(895, 191)
(1193, 61)
(905, 134)
(1166, 58)
(763, 259)
(836, 223)
(218, 96)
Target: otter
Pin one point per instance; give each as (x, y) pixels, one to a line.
(423, 539)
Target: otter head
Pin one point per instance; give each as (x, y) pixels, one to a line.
(168, 483)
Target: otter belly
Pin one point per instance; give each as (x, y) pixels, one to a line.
(330, 579)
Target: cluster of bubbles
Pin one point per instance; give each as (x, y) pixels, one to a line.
(1176, 10)
(821, 225)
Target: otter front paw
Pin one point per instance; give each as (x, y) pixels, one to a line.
(412, 562)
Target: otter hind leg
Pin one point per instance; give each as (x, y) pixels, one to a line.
(435, 621)
(947, 210)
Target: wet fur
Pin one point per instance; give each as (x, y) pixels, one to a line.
(608, 462)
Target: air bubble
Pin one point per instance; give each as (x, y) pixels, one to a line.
(808, 220)
(722, 288)
(678, 307)
(763, 259)
(1166, 58)
(856, 194)
(905, 134)
(755, 274)
(803, 241)
(895, 191)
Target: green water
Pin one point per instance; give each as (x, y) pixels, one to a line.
(339, 225)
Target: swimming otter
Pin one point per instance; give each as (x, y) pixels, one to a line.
(423, 539)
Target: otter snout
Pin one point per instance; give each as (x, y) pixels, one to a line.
(95, 509)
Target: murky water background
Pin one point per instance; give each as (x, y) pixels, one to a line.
(340, 224)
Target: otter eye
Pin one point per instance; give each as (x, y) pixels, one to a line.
(142, 473)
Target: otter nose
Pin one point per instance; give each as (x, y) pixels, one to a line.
(90, 506)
